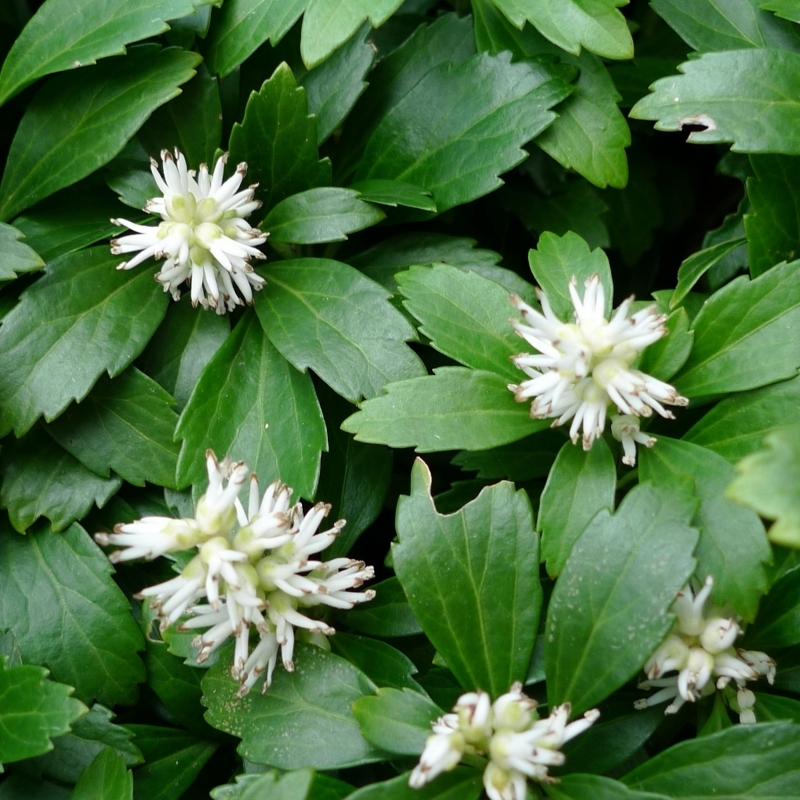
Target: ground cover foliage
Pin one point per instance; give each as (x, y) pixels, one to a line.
(417, 163)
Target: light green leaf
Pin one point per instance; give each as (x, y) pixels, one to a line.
(15, 255)
(463, 783)
(325, 315)
(299, 785)
(733, 547)
(305, 719)
(395, 193)
(739, 763)
(58, 599)
(694, 267)
(431, 132)
(278, 140)
(33, 710)
(251, 404)
(744, 335)
(472, 580)
(596, 787)
(767, 481)
(787, 9)
(79, 121)
(80, 319)
(325, 214)
(464, 315)
(64, 34)
(579, 485)
(557, 260)
(106, 777)
(759, 113)
(40, 479)
(609, 608)
(453, 409)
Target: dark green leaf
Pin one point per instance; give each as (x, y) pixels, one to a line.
(694, 267)
(733, 546)
(463, 783)
(106, 777)
(15, 255)
(395, 193)
(560, 258)
(17, 787)
(334, 86)
(453, 409)
(58, 599)
(523, 460)
(325, 214)
(396, 721)
(303, 720)
(664, 358)
(292, 786)
(134, 187)
(251, 404)
(81, 120)
(381, 663)
(472, 580)
(80, 319)
(778, 620)
(465, 316)
(278, 140)
(65, 34)
(426, 137)
(770, 707)
(595, 787)
(124, 425)
(744, 761)
(388, 615)
(759, 113)
(325, 315)
(736, 427)
(743, 335)
(609, 608)
(33, 710)
(580, 484)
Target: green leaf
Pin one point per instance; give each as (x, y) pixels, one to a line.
(300, 785)
(395, 193)
(772, 227)
(240, 27)
(759, 114)
(173, 760)
(463, 783)
(472, 580)
(744, 761)
(708, 26)
(33, 710)
(396, 721)
(181, 347)
(560, 258)
(694, 267)
(58, 599)
(192, 122)
(251, 404)
(778, 620)
(79, 121)
(388, 615)
(465, 315)
(17, 787)
(609, 608)
(767, 481)
(770, 707)
(278, 140)
(426, 137)
(787, 9)
(579, 485)
(327, 24)
(106, 777)
(595, 787)
(736, 427)
(39, 478)
(15, 255)
(325, 315)
(334, 86)
(134, 187)
(732, 547)
(453, 409)
(304, 720)
(81, 305)
(523, 460)
(124, 425)
(664, 358)
(325, 214)
(383, 664)
(65, 34)
(744, 335)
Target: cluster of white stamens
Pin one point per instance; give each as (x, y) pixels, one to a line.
(518, 744)
(700, 651)
(203, 235)
(582, 367)
(254, 568)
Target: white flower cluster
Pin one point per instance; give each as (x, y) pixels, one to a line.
(582, 367)
(700, 651)
(254, 568)
(519, 744)
(203, 234)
